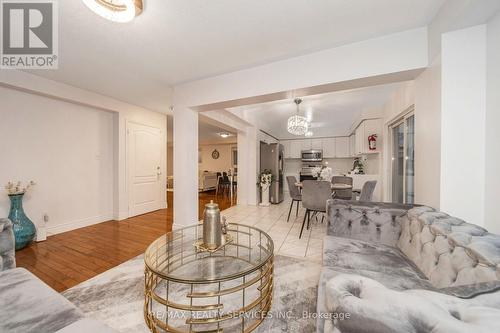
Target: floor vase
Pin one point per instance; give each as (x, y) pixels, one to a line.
(24, 229)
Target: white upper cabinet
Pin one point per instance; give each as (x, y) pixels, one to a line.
(286, 147)
(342, 147)
(329, 148)
(317, 144)
(339, 147)
(295, 148)
(352, 145)
(305, 144)
(359, 139)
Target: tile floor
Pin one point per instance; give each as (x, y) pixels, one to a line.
(285, 234)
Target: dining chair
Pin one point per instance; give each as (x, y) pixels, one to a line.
(342, 194)
(367, 190)
(219, 182)
(314, 197)
(225, 183)
(294, 193)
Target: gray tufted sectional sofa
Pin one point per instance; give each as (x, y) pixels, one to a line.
(27, 305)
(395, 268)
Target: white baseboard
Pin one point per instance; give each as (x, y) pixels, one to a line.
(63, 227)
(118, 216)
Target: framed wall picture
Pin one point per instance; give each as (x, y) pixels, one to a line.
(215, 154)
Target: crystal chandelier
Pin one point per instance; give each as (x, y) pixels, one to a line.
(297, 125)
(116, 10)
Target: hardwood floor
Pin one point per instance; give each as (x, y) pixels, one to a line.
(67, 259)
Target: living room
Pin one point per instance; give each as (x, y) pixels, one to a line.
(107, 127)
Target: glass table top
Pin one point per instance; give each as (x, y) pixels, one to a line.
(175, 257)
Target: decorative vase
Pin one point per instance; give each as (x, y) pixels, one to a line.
(265, 196)
(24, 229)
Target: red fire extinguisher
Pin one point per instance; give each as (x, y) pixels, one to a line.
(372, 142)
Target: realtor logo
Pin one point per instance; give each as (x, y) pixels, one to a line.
(29, 34)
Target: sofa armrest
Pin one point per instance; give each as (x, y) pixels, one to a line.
(369, 307)
(368, 221)
(7, 245)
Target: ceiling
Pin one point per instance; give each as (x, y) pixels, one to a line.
(207, 132)
(330, 114)
(175, 41)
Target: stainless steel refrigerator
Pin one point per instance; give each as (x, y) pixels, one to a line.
(272, 158)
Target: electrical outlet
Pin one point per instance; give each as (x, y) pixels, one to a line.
(46, 218)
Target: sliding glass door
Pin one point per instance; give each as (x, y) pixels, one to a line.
(403, 159)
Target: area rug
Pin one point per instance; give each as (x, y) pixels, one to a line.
(116, 297)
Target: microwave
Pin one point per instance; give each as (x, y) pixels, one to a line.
(312, 155)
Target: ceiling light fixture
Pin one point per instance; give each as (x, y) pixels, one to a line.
(297, 125)
(121, 11)
(224, 135)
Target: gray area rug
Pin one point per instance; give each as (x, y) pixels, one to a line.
(116, 297)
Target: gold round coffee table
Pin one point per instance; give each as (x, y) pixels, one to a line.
(191, 290)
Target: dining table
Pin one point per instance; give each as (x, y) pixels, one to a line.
(335, 186)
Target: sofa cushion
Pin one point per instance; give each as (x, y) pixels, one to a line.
(392, 281)
(355, 254)
(373, 308)
(30, 306)
(383, 263)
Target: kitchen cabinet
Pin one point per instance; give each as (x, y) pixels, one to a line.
(342, 147)
(328, 147)
(365, 129)
(305, 144)
(316, 144)
(286, 147)
(352, 145)
(295, 148)
(359, 137)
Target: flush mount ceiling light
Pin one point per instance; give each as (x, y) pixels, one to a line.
(297, 125)
(116, 10)
(224, 134)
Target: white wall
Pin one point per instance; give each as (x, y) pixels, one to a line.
(65, 97)
(492, 195)
(67, 149)
(463, 125)
(399, 103)
(393, 53)
(428, 136)
(223, 163)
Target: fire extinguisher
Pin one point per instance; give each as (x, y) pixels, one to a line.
(372, 142)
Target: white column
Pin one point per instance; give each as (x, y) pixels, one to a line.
(247, 168)
(242, 168)
(185, 166)
(463, 124)
(492, 214)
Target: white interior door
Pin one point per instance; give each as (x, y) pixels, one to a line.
(144, 145)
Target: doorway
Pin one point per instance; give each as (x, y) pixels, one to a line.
(402, 134)
(144, 146)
